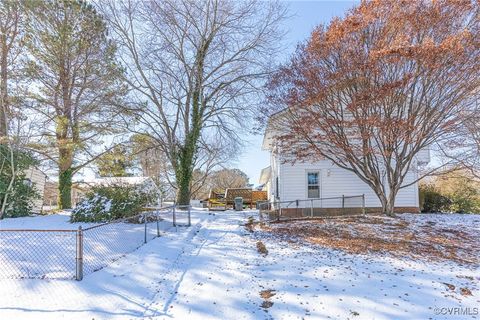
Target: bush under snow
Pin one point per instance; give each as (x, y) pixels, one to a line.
(106, 203)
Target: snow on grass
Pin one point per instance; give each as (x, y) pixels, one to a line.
(213, 271)
(60, 220)
(40, 254)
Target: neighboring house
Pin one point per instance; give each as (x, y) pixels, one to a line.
(50, 194)
(50, 198)
(265, 180)
(38, 179)
(323, 179)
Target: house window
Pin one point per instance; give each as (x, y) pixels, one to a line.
(313, 185)
(277, 188)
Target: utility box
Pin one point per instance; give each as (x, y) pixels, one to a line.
(238, 204)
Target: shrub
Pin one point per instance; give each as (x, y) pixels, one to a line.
(20, 203)
(105, 203)
(432, 201)
(451, 192)
(21, 195)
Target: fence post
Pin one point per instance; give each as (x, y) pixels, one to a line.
(343, 204)
(279, 212)
(363, 203)
(174, 219)
(145, 223)
(189, 218)
(311, 208)
(296, 209)
(79, 255)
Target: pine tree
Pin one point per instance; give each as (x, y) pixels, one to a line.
(78, 81)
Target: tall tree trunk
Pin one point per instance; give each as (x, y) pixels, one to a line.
(184, 172)
(183, 195)
(388, 202)
(65, 189)
(65, 161)
(388, 208)
(3, 88)
(4, 119)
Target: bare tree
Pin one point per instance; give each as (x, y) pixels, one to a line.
(372, 90)
(11, 49)
(77, 80)
(219, 180)
(196, 69)
(463, 152)
(212, 156)
(154, 163)
(11, 53)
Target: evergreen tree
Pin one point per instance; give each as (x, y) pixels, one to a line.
(115, 163)
(16, 199)
(77, 81)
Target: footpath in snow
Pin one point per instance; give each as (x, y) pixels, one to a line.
(212, 270)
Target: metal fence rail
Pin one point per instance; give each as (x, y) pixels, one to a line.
(294, 209)
(71, 254)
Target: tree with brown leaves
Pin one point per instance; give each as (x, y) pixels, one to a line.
(372, 90)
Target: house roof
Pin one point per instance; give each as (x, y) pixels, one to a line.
(105, 181)
(120, 180)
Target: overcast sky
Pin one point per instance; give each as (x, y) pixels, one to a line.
(305, 16)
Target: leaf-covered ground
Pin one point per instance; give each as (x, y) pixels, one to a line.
(454, 238)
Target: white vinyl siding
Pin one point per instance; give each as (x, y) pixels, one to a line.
(335, 182)
(275, 174)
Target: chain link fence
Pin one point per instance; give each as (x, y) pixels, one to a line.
(37, 254)
(318, 207)
(71, 254)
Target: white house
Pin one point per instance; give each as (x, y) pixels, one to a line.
(338, 188)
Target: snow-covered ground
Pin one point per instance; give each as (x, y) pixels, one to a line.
(39, 254)
(213, 271)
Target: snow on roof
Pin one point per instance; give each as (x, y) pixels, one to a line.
(134, 181)
(126, 180)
